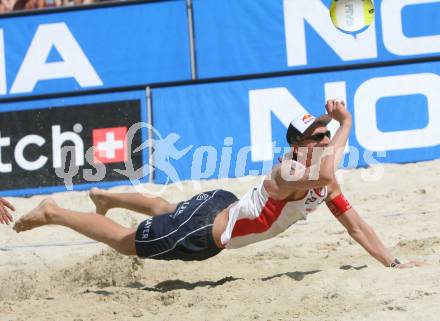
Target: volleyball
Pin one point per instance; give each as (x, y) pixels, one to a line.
(352, 16)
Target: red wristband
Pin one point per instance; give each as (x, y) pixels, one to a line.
(339, 205)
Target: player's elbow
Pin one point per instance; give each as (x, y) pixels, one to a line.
(354, 232)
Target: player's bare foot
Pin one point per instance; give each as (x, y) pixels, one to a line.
(39, 216)
(98, 197)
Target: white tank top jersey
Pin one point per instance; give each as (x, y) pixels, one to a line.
(257, 217)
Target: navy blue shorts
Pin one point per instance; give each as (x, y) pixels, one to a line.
(185, 234)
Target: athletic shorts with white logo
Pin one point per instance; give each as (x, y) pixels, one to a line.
(185, 234)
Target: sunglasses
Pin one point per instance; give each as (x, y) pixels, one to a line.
(319, 136)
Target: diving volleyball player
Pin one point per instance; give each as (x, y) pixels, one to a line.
(204, 225)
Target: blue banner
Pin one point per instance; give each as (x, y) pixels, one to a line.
(238, 128)
(252, 37)
(97, 48)
(76, 143)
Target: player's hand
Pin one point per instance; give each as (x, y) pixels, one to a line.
(336, 109)
(5, 216)
(410, 264)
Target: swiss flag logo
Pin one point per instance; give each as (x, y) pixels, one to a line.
(110, 145)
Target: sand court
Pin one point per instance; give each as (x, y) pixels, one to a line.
(313, 271)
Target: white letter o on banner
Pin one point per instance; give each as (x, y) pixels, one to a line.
(365, 100)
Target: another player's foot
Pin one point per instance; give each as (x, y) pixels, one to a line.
(37, 217)
(98, 197)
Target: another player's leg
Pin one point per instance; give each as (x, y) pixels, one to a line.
(94, 226)
(142, 203)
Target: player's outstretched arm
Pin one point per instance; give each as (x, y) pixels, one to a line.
(360, 231)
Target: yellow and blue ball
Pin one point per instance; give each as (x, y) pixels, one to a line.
(352, 16)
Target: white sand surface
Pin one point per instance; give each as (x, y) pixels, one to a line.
(313, 271)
